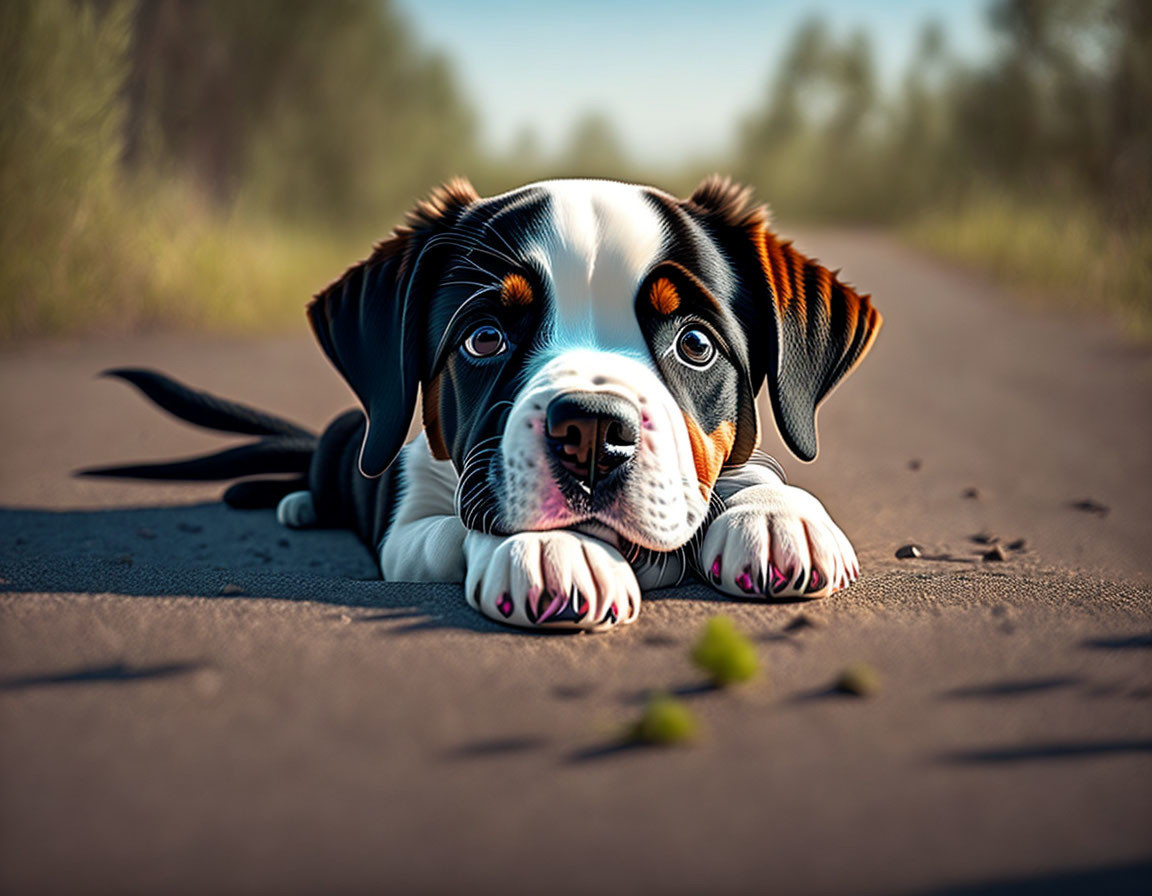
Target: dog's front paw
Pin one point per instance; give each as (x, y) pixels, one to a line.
(553, 580)
(777, 541)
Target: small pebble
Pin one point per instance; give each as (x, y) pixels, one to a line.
(231, 589)
(859, 680)
(996, 554)
(1089, 506)
(145, 532)
(1018, 545)
(971, 493)
(190, 527)
(284, 543)
(908, 552)
(914, 464)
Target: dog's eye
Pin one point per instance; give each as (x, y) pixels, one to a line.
(485, 342)
(694, 348)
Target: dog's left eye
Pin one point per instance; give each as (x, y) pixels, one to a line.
(485, 341)
(694, 348)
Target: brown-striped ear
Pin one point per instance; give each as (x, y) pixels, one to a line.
(369, 323)
(806, 329)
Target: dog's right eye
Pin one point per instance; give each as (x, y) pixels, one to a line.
(485, 341)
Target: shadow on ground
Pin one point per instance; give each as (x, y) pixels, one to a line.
(210, 551)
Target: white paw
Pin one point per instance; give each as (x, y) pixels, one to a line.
(551, 580)
(777, 541)
(296, 511)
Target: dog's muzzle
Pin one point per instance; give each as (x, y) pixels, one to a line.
(592, 436)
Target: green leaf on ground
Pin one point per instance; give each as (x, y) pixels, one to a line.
(665, 720)
(859, 680)
(724, 653)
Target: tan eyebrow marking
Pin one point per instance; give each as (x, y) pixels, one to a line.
(515, 290)
(663, 296)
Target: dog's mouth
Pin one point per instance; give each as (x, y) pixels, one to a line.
(623, 507)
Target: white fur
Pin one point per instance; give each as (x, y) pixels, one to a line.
(426, 540)
(545, 568)
(596, 248)
(767, 522)
(600, 242)
(661, 505)
(296, 511)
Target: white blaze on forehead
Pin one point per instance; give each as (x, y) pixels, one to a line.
(596, 246)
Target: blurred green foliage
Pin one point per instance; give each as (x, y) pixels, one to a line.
(1035, 165)
(203, 161)
(214, 163)
(318, 112)
(1062, 106)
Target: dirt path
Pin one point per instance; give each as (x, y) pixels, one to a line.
(320, 731)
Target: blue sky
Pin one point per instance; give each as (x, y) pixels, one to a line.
(675, 77)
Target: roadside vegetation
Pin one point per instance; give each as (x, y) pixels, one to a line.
(212, 164)
(1034, 165)
(205, 164)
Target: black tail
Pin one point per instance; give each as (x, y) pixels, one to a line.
(286, 448)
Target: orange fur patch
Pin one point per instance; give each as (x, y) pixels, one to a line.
(784, 267)
(710, 451)
(515, 291)
(664, 297)
(431, 414)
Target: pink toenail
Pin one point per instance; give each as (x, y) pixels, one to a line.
(553, 608)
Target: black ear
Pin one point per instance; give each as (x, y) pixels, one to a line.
(806, 329)
(370, 324)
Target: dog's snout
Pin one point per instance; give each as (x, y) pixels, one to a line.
(592, 434)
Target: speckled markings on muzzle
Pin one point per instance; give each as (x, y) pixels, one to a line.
(656, 502)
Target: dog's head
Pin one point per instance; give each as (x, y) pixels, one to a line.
(589, 352)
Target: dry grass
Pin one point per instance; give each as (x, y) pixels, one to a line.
(162, 258)
(1060, 255)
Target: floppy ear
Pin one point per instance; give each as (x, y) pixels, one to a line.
(370, 324)
(806, 329)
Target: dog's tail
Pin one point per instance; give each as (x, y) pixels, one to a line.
(285, 447)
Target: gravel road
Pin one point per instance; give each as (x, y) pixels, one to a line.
(195, 700)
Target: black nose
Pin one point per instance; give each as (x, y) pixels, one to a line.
(592, 434)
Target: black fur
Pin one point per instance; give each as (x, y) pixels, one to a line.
(395, 323)
(325, 465)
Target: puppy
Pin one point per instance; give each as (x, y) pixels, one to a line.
(588, 355)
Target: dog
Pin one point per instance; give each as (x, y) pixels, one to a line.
(588, 355)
